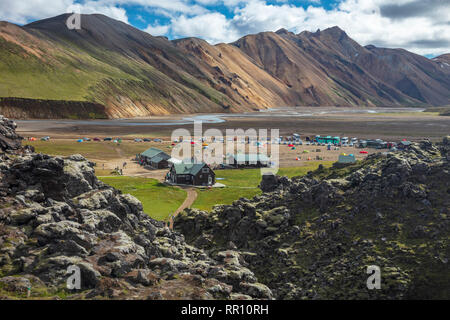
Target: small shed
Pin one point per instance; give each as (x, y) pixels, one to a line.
(242, 160)
(154, 158)
(198, 174)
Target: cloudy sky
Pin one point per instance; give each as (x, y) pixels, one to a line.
(421, 26)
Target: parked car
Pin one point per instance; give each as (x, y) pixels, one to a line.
(147, 140)
(157, 140)
(96, 139)
(107, 139)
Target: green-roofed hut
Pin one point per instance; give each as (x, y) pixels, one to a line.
(241, 160)
(154, 158)
(198, 174)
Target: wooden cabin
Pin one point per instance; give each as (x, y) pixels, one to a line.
(197, 174)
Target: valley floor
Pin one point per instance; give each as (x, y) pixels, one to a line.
(386, 124)
(160, 201)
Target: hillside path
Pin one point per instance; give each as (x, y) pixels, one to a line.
(190, 198)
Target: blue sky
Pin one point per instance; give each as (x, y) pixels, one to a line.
(421, 26)
(142, 18)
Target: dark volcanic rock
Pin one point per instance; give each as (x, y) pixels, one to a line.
(308, 238)
(314, 237)
(269, 182)
(9, 140)
(55, 214)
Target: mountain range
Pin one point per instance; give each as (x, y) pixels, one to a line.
(109, 69)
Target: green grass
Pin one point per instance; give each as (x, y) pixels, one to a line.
(68, 71)
(243, 183)
(92, 150)
(158, 199)
(61, 76)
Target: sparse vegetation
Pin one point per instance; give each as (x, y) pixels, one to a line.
(243, 183)
(442, 111)
(91, 150)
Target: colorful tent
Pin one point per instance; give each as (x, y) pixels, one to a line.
(364, 152)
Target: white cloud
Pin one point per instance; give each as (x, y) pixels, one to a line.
(90, 7)
(422, 26)
(157, 30)
(213, 27)
(23, 11)
(363, 20)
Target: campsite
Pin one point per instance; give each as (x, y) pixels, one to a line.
(121, 165)
(116, 149)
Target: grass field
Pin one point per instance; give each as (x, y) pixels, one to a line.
(158, 199)
(243, 183)
(93, 150)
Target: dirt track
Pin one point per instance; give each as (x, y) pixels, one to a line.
(188, 202)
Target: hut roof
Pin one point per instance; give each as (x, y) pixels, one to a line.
(188, 168)
(150, 153)
(250, 157)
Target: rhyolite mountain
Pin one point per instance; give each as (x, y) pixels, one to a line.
(109, 69)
